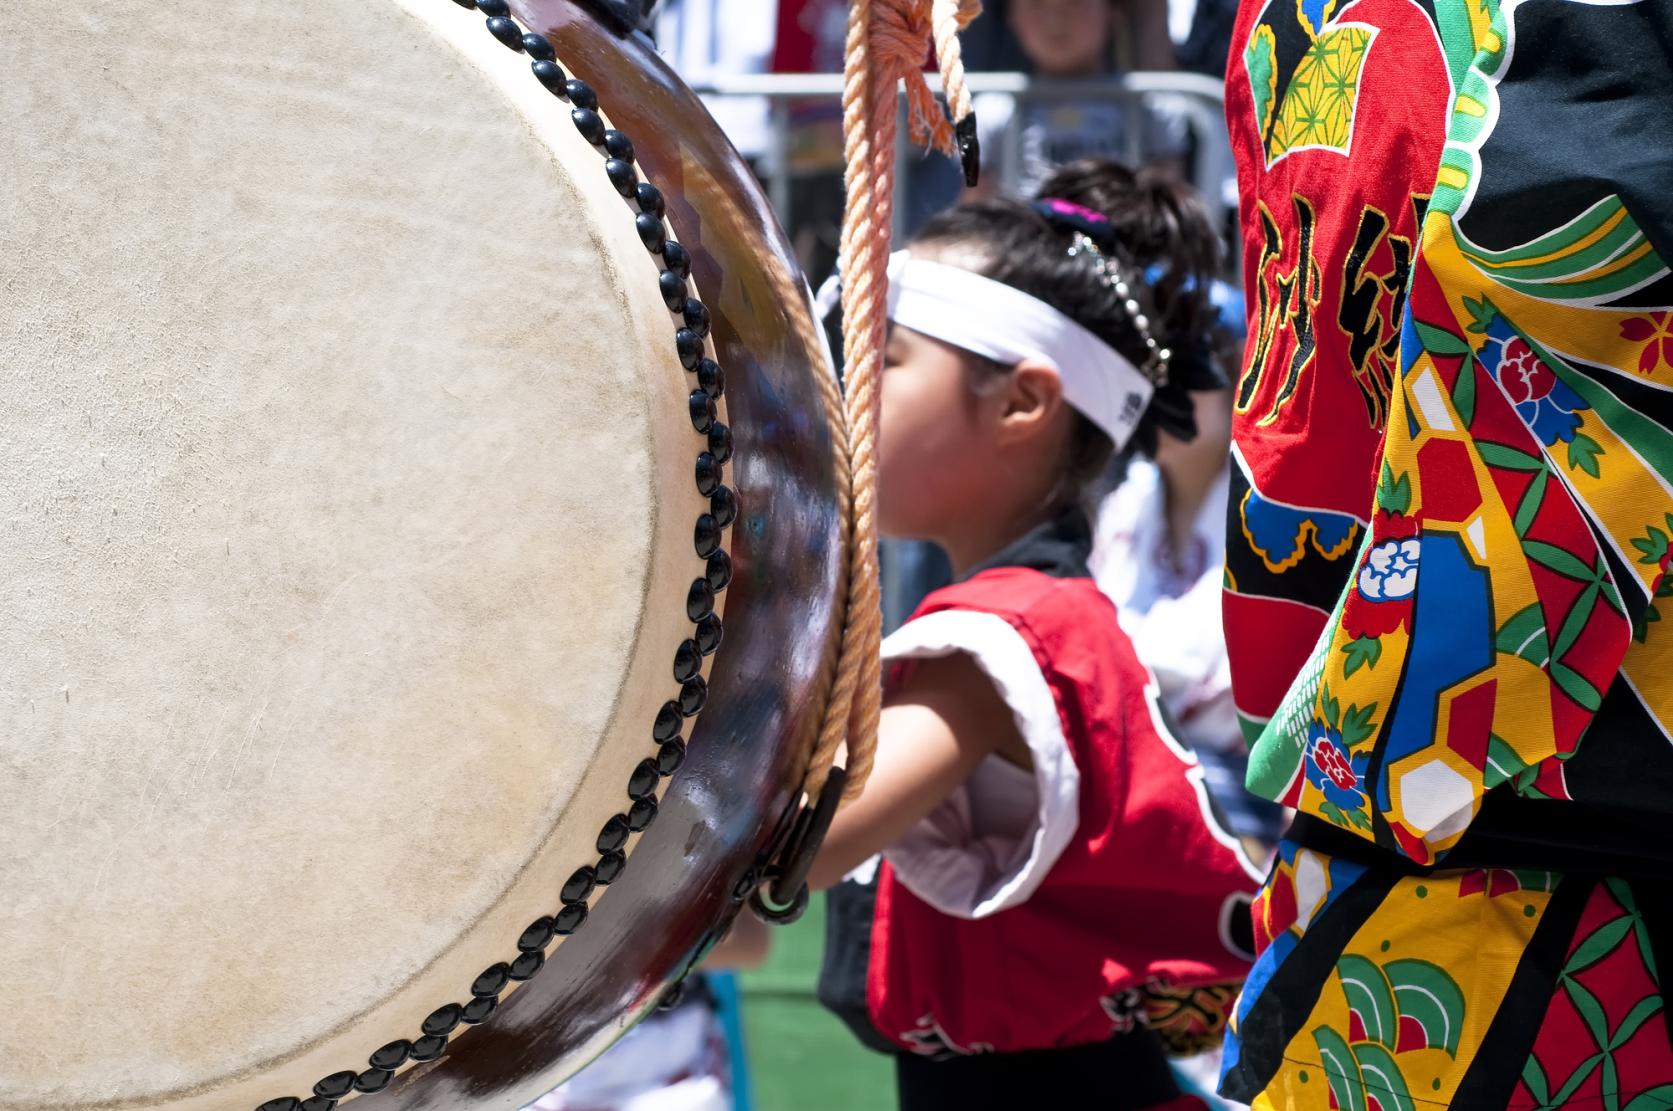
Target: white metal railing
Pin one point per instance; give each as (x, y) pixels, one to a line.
(1199, 100)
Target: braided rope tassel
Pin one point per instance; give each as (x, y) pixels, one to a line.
(887, 43)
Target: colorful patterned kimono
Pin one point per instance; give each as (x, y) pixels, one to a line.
(1450, 532)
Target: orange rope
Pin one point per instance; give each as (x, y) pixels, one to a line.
(888, 41)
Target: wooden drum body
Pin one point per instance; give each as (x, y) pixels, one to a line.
(380, 575)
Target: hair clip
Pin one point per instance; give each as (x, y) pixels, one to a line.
(1067, 214)
(1109, 272)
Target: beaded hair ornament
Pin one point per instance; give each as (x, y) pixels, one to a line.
(1094, 237)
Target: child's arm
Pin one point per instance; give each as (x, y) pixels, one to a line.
(936, 727)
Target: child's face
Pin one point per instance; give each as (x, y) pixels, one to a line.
(1063, 37)
(932, 450)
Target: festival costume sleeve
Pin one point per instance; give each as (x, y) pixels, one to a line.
(940, 860)
(1521, 514)
(1448, 542)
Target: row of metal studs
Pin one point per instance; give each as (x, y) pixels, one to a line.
(642, 786)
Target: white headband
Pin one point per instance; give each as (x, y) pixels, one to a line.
(1002, 323)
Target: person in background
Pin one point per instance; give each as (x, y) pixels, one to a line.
(1159, 554)
(1068, 40)
(1202, 33)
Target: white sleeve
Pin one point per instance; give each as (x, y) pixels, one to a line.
(946, 859)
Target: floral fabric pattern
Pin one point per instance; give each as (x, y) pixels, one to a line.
(1546, 404)
(1462, 341)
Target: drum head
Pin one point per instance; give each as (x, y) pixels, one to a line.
(349, 541)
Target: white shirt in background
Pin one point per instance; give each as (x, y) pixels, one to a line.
(1169, 604)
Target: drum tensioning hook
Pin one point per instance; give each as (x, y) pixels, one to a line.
(782, 896)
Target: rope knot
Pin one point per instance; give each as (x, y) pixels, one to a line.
(903, 35)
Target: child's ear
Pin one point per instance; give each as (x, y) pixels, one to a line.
(1033, 398)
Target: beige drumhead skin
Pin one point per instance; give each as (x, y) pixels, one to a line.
(348, 511)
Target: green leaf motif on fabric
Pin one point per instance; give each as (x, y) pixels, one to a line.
(1659, 1098)
(1575, 685)
(1640, 932)
(1591, 1011)
(1439, 341)
(1503, 764)
(1652, 546)
(1394, 495)
(1341, 1069)
(1481, 313)
(1572, 1084)
(1533, 1077)
(1507, 458)
(1560, 560)
(1575, 623)
(1383, 1079)
(1337, 816)
(1604, 578)
(1463, 393)
(1361, 652)
(1357, 725)
(1641, 623)
(1583, 452)
(1637, 1017)
(1428, 996)
(1260, 60)
(1524, 635)
(1599, 944)
(1528, 508)
(1369, 999)
(1602, 943)
(1330, 709)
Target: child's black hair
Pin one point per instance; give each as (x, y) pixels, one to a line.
(1159, 228)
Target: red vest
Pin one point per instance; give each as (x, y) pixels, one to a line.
(1144, 892)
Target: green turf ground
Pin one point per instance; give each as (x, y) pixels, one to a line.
(801, 1058)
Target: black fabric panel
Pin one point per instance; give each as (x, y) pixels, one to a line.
(841, 987)
(1657, 295)
(1624, 762)
(1127, 1073)
(1582, 115)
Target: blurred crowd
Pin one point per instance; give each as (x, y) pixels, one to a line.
(1079, 46)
